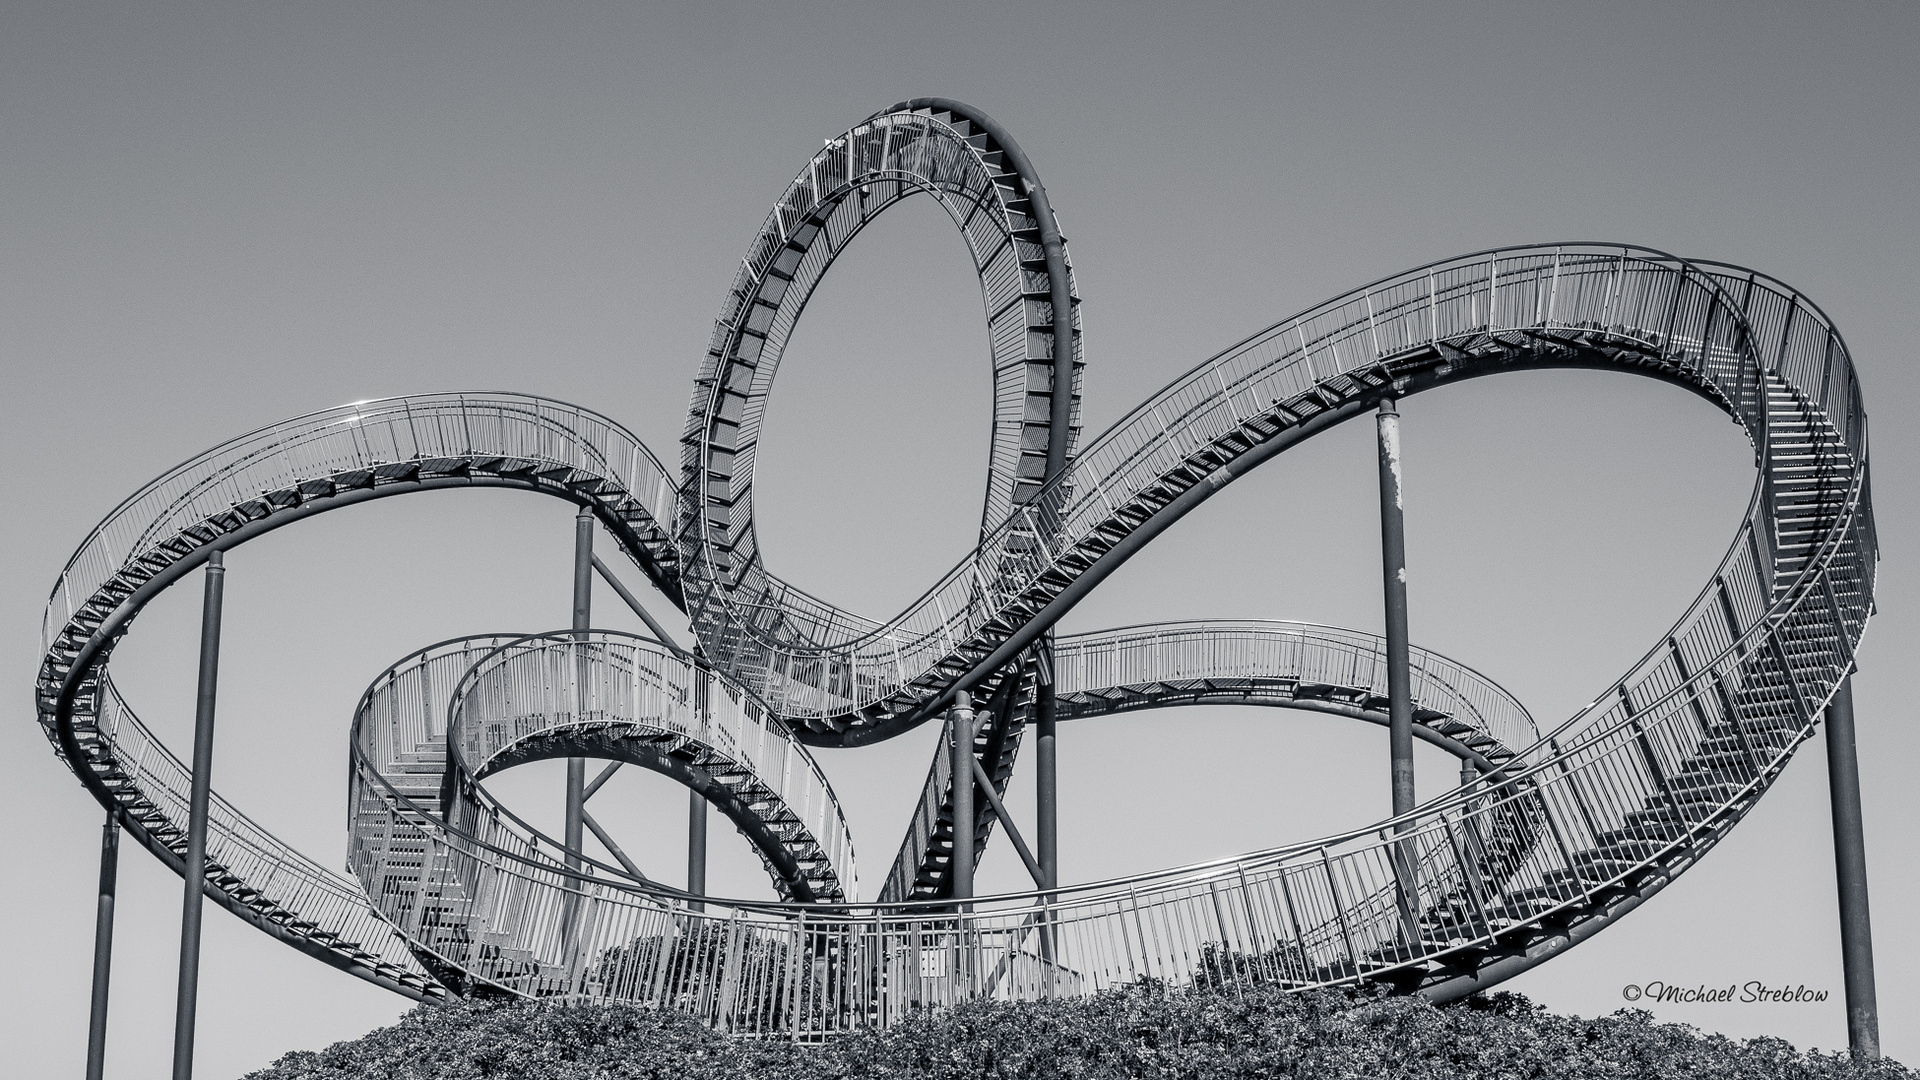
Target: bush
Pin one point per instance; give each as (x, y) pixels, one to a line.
(1136, 1031)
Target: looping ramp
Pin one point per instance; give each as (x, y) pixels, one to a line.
(1557, 836)
(777, 640)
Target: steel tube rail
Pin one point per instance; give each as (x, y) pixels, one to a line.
(399, 745)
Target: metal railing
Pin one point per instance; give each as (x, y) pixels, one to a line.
(1710, 323)
(1292, 652)
(298, 895)
(275, 472)
(441, 719)
(616, 687)
(387, 436)
(1257, 662)
(733, 601)
(1627, 793)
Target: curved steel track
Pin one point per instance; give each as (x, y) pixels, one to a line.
(1559, 836)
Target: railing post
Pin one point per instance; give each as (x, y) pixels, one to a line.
(960, 730)
(1850, 872)
(194, 871)
(103, 945)
(1393, 568)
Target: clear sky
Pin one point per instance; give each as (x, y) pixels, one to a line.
(217, 216)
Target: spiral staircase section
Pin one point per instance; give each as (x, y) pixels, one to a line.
(436, 724)
(624, 698)
(252, 485)
(1557, 835)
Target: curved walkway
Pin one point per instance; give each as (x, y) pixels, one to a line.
(1562, 837)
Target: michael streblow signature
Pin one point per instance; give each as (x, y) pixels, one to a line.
(1749, 992)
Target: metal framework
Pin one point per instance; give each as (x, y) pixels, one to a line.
(1552, 838)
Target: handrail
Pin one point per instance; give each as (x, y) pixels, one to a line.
(1566, 835)
(912, 644)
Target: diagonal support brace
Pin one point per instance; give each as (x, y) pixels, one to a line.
(633, 602)
(985, 784)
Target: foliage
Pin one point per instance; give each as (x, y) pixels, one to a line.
(694, 967)
(1138, 1031)
(701, 962)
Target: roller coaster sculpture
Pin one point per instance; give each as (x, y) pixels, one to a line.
(1551, 839)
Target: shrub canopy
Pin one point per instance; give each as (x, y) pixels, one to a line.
(1138, 1031)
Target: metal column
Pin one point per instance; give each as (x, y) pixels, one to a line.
(103, 945)
(696, 847)
(960, 730)
(1046, 787)
(1393, 568)
(1046, 780)
(582, 619)
(1850, 870)
(1059, 435)
(194, 872)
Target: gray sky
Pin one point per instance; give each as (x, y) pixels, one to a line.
(217, 216)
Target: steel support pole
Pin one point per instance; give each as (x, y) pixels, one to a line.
(960, 730)
(103, 945)
(1393, 567)
(1850, 870)
(582, 619)
(194, 872)
(1046, 786)
(696, 847)
(1046, 817)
